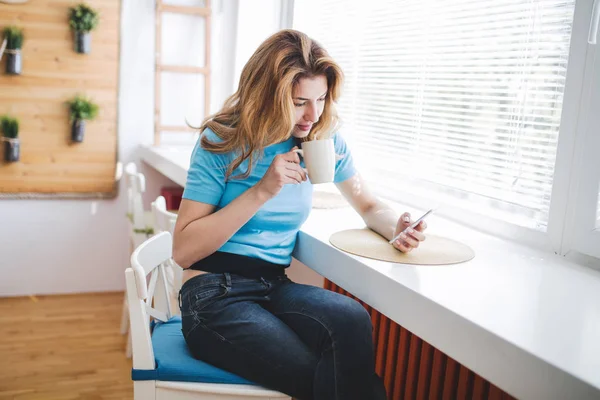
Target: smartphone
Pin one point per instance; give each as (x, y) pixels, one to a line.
(413, 225)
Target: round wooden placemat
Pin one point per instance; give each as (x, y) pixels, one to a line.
(435, 250)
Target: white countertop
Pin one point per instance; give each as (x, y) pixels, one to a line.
(172, 162)
(527, 321)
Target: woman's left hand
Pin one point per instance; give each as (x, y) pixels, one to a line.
(411, 238)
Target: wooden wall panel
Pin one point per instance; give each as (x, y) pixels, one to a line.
(52, 74)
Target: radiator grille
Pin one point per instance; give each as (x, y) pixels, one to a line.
(413, 369)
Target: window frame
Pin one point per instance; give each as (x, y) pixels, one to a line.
(579, 233)
(568, 203)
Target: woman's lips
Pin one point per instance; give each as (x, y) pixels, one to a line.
(304, 127)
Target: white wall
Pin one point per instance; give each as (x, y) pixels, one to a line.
(223, 45)
(256, 21)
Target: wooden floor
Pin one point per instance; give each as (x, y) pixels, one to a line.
(63, 347)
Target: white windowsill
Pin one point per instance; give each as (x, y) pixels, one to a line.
(526, 320)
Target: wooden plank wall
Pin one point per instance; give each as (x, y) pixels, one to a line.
(52, 74)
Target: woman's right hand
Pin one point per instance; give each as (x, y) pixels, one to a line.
(285, 169)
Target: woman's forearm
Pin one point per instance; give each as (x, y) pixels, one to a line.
(204, 236)
(381, 219)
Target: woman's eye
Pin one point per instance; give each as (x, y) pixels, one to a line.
(303, 104)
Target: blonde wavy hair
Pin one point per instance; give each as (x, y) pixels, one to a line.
(261, 112)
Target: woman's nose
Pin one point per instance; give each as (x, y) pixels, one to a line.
(312, 114)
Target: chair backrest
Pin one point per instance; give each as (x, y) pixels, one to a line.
(136, 186)
(118, 171)
(148, 260)
(163, 220)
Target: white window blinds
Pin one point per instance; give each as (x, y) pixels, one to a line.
(456, 98)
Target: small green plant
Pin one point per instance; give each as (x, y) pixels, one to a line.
(14, 37)
(83, 18)
(81, 108)
(10, 127)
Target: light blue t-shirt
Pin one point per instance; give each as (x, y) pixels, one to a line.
(271, 233)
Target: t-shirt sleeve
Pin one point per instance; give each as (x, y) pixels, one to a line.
(206, 176)
(344, 167)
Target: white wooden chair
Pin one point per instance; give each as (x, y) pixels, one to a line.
(141, 221)
(163, 367)
(164, 221)
(140, 228)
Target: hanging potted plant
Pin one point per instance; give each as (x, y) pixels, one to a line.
(13, 38)
(80, 110)
(10, 136)
(83, 19)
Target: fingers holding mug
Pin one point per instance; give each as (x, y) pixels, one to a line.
(297, 170)
(292, 155)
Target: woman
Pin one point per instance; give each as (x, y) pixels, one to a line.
(245, 199)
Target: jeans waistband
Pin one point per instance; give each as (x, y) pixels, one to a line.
(250, 267)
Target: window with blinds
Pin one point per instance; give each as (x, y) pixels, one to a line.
(455, 99)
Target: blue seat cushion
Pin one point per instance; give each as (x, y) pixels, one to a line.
(174, 362)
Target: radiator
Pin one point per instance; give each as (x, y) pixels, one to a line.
(412, 369)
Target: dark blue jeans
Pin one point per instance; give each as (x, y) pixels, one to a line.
(307, 342)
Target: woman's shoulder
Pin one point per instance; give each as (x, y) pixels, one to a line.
(336, 135)
(201, 152)
(338, 140)
(210, 135)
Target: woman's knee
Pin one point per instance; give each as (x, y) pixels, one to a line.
(348, 315)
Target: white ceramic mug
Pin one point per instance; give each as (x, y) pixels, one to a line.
(319, 158)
